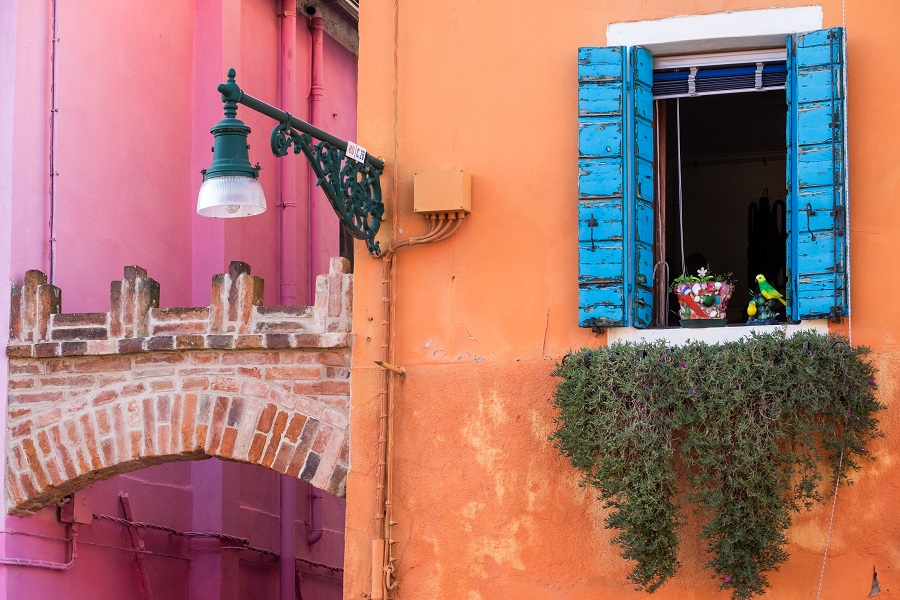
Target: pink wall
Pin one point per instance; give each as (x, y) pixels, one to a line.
(338, 115)
(124, 109)
(23, 163)
(136, 97)
(178, 567)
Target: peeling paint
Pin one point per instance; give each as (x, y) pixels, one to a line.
(502, 548)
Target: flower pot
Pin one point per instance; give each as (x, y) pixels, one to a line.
(703, 304)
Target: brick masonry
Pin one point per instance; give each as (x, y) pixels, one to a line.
(92, 395)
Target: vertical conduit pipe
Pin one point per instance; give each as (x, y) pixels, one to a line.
(287, 176)
(288, 285)
(287, 563)
(317, 204)
(314, 526)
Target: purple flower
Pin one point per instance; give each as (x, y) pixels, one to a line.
(871, 382)
(809, 352)
(693, 390)
(682, 364)
(849, 411)
(728, 579)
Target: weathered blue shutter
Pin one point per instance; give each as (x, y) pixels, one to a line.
(602, 257)
(816, 174)
(615, 187)
(642, 188)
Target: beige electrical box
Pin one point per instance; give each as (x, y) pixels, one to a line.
(443, 192)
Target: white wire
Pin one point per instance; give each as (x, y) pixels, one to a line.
(846, 165)
(846, 283)
(830, 523)
(680, 205)
(659, 222)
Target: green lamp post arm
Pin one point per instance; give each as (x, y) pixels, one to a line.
(352, 186)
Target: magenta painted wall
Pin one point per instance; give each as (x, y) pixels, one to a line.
(135, 93)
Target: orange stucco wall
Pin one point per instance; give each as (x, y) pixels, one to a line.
(485, 507)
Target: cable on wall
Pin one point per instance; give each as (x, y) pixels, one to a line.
(440, 227)
(680, 198)
(661, 262)
(54, 110)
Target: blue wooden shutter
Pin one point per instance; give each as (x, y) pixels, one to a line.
(816, 174)
(602, 239)
(642, 188)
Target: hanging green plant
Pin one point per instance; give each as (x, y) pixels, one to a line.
(752, 422)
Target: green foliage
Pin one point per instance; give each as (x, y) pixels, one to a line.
(752, 422)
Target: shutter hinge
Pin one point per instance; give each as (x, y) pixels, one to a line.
(836, 313)
(595, 326)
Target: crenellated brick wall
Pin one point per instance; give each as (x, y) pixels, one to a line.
(92, 395)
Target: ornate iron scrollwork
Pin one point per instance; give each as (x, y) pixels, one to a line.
(353, 188)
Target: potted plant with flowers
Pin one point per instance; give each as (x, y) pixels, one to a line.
(703, 298)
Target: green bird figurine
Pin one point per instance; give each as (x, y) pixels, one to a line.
(768, 292)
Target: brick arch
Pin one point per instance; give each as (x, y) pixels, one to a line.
(92, 395)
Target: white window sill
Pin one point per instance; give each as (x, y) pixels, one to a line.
(712, 335)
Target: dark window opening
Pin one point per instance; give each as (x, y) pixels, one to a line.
(731, 214)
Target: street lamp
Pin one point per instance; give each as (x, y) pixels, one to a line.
(347, 174)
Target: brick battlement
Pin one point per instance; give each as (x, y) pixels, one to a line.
(135, 323)
(92, 395)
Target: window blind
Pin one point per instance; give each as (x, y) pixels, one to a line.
(718, 79)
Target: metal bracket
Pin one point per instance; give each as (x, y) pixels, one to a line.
(596, 327)
(692, 82)
(392, 368)
(836, 314)
(353, 187)
(137, 545)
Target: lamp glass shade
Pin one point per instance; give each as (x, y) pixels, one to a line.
(231, 196)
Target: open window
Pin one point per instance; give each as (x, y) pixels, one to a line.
(759, 140)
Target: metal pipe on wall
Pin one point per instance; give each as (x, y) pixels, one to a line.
(287, 176)
(287, 539)
(315, 525)
(317, 204)
(288, 284)
(72, 539)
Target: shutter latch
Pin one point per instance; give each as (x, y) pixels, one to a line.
(838, 214)
(592, 222)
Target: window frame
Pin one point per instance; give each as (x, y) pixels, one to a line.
(812, 282)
